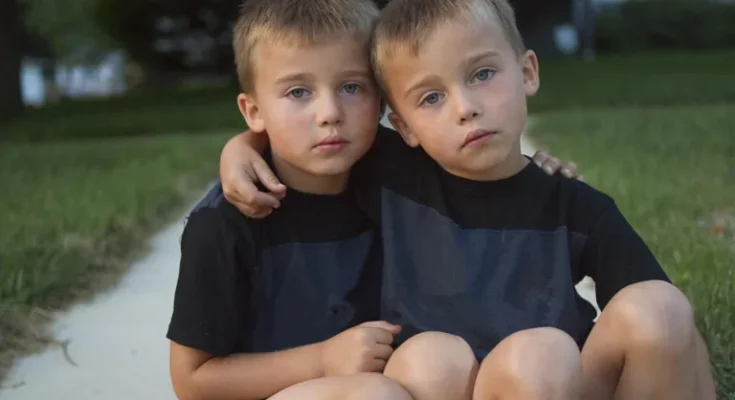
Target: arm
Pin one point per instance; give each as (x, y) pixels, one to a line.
(210, 317)
(198, 375)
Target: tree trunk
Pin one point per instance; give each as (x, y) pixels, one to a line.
(11, 101)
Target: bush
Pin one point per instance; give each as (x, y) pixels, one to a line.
(666, 24)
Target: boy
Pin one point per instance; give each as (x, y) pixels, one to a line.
(484, 248)
(278, 315)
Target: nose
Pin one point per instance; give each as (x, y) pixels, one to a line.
(468, 109)
(329, 111)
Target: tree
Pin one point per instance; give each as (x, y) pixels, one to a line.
(11, 101)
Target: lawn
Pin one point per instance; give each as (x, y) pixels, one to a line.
(72, 212)
(672, 172)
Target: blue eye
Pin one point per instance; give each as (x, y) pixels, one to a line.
(351, 88)
(432, 98)
(298, 93)
(483, 74)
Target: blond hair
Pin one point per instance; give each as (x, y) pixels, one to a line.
(297, 22)
(404, 24)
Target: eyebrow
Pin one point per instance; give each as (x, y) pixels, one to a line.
(428, 80)
(297, 77)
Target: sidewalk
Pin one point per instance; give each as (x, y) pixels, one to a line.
(118, 341)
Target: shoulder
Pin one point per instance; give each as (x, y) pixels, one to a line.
(581, 203)
(214, 223)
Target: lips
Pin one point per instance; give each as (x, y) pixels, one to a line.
(331, 143)
(476, 136)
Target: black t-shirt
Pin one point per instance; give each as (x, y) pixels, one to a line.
(307, 272)
(486, 259)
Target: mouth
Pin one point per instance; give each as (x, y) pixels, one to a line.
(477, 136)
(331, 144)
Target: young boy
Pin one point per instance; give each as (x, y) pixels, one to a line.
(482, 250)
(282, 314)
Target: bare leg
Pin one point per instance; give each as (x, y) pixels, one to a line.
(542, 363)
(645, 346)
(434, 365)
(367, 386)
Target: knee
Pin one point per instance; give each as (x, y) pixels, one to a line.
(539, 361)
(434, 358)
(654, 316)
(376, 386)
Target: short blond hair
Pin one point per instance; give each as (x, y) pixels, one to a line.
(299, 22)
(404, 25)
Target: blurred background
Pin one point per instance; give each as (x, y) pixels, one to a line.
(113, 114)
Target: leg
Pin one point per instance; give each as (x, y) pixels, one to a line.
(365, 386)
(541, 363)
(434, 365)
(645, 346)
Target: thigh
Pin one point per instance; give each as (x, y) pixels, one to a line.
(345, 387)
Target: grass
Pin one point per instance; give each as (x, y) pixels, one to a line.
(672, 173)
(145, 113)
(644, 80)
(72, 212)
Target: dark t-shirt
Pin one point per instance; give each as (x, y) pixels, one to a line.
(307, 272)
(486, 259)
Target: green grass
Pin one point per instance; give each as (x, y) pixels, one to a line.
(71, 213)
(145, 113)
(672, 173)
(665, 79)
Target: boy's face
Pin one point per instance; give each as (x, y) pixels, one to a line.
(463, 98)
(319, 104)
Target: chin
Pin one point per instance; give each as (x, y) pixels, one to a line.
(332, 168)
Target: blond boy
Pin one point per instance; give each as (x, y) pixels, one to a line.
(286, 308)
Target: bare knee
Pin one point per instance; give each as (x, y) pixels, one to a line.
(655, 316)
(361, 386)
(434, 365)
(535, 363)
(376, 386)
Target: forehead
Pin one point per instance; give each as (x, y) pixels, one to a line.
(448, 46)
(324, 57)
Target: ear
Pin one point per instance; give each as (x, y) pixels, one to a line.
(529, 67)
(251, 112)
(402, 128)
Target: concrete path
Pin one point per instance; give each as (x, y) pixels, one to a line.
(118, 340)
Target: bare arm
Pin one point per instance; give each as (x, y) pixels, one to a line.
(197, 375)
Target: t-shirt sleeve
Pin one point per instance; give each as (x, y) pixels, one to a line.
(210, 301)
(615, 256)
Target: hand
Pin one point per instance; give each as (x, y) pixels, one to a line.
(552, 165)
(241, 166)
(364, 348)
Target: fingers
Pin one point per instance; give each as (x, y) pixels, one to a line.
(385, 325)
(569, 170)
(249, 200)
(383, 351)
(376, 365)
(265, 176)
(540, 157)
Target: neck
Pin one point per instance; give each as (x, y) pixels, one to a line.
(303, 181)
(511, 165)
